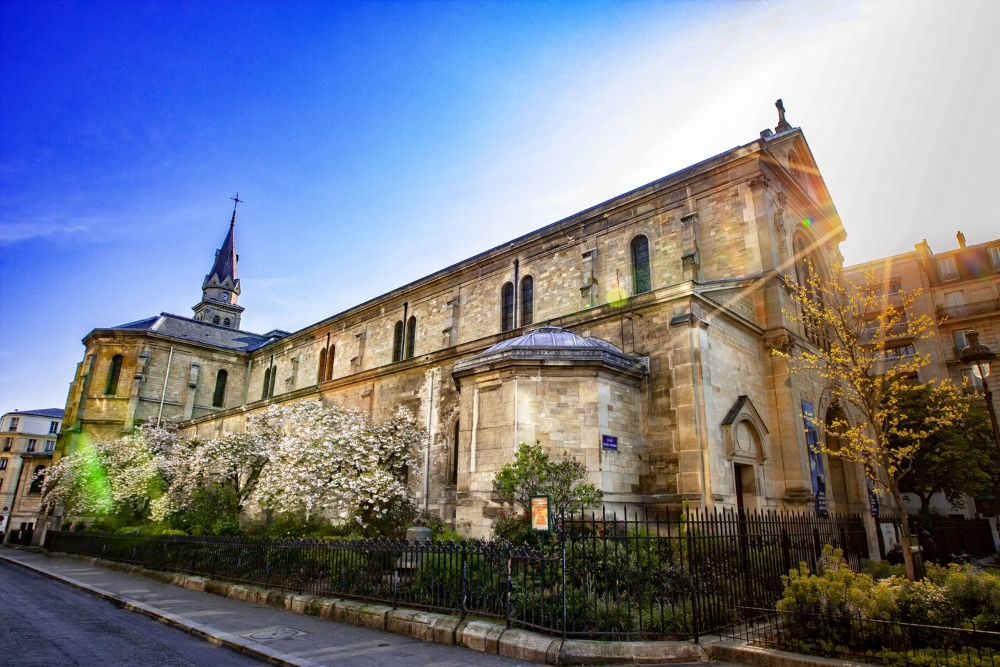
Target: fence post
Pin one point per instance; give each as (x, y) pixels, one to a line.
(395, 585)
(694, 580)
(562, 530)
(786, 550)
(465, 580)
(507, 611)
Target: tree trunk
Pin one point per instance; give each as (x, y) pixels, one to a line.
(911, 572)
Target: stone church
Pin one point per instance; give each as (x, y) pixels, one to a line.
(634, 336)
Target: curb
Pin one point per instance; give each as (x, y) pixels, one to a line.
(743, 653)
(477, 635)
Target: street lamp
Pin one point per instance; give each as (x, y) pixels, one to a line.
(978, 357)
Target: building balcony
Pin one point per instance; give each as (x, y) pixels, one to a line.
(969, 309)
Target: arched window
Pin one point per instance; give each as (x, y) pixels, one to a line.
(329, 363)
(227, 322)
(267, 383)
(111, 386)
(321, 373)
(37, 480)
(454, 456)
(220, 388)
(527, 301)
(507, 307)
(215, 320)
(411, 336)
(274, 376)
(397, 342)
(805, 266)
(640, 264)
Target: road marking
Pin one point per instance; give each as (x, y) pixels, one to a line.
(345, 647)
(351, 654)
(195, 614)
(135, 590)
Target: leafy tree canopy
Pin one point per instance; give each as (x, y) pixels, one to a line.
(533, 473)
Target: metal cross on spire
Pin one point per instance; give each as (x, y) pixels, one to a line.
(238, 202)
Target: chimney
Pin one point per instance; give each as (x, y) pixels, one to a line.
(961, 239)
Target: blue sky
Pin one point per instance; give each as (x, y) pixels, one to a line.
(374, 143)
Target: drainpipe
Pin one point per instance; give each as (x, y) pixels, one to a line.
(430, 441)
(166, 378)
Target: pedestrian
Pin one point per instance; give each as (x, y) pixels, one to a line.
(927, 547)
(895, 555)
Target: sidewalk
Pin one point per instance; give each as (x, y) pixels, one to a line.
(270, 634)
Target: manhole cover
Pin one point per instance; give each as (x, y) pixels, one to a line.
(276, 633)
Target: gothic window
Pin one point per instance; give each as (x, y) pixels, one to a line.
(226, 322)
(640, 264)
(111, 386)
(411, 336)
(215, 320)
(527, 300)
(220, 388)
(329, 363)
(37, 480)
(267, 383)
(454, 457)
(397, 342)
(507, 307)
(321, 373)
(805, 265)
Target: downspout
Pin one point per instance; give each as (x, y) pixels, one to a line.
(430, 441)
(166, 378)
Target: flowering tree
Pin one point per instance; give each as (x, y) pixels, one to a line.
(234, 461)
(120, 476)
(866, 357)
(338, 461)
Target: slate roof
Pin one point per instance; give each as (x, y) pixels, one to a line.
(555, 344)
(197, 331)
(225, 259)
(52, 413)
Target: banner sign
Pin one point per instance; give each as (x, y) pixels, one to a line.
(815, 460)
(541, 517)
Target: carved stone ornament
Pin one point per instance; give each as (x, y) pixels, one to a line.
(780, 230)
(782, 199)
(781, 343)
(744, 433)
(759, 181)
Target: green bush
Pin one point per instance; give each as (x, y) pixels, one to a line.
(826, 608)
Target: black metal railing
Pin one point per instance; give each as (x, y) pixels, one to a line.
(853, 637)
(621, 574)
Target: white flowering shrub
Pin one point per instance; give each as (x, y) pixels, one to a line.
(304, 458)
(117, 477)
(338, 462)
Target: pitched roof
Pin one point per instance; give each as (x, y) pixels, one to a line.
(197, 331)
(54, 413)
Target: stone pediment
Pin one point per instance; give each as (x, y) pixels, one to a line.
(744, 432)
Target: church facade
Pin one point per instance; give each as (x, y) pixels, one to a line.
(634, 336)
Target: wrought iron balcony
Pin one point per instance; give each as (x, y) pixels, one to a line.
(969, 309)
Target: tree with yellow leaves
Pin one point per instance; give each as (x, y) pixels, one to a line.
(865, 353)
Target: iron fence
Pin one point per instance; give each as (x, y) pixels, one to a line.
(624, 574)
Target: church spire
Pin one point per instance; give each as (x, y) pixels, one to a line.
(221, 287)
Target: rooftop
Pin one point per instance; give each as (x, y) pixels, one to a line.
(197, 331)
(52, 413)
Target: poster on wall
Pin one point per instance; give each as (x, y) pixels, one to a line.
(815, 460)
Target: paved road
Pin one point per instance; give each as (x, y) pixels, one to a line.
(45, 623)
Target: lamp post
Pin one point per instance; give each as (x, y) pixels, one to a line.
(979, 357)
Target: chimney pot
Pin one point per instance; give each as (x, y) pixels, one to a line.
(961, 239)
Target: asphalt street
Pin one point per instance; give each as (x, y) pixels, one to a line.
(45, 623)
